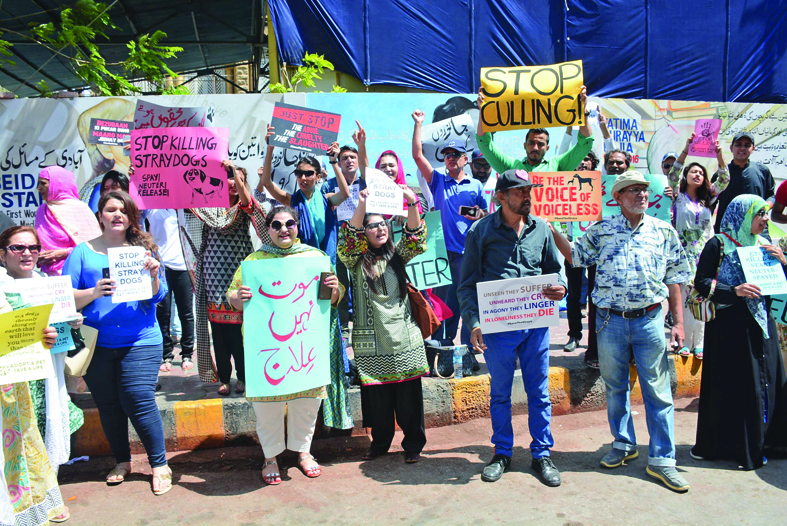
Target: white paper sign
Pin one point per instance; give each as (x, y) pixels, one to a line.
(385, 196)
(33, 362)
(55, 290)
(345, 211)
(132, 281)
(515, 304)
(149, 115)
(763, 270)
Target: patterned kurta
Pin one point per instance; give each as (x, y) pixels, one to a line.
(387, 343)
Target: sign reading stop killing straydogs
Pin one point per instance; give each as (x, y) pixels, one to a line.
(303, 129)
(532, 97)
(567, 196)
(126, 269)
(179, 168)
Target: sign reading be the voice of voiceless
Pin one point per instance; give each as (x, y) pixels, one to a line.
(567, 196)
(303, 129)
(532, 96)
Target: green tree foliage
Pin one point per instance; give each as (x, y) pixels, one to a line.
(313, 66)
(74, 39)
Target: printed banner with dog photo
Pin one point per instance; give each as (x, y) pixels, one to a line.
(179, 168)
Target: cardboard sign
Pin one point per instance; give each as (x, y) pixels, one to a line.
(179, 168)
(23, 357)
(385, 196)
(304, 129)
(515, 304)
(149, 115)
(110, 133)
(429, 269)
(763, 270)
(706, 133)
(658, 203)
(532, 96)
(286, 338)
(56, 291)
(567, 196)
(345, 211)
(131, 279)
(65, 340)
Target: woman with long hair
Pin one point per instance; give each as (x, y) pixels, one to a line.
(122, 375)
(303, 407)
(692, 217)
(387, 343)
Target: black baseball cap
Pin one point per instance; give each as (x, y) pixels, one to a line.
(514, 179)
(743, 134)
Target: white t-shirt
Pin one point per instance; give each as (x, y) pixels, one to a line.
(164, 229)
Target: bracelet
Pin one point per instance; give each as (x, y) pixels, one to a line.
(412, 204)
(333, 162)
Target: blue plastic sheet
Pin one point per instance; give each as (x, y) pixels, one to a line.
(707, 50)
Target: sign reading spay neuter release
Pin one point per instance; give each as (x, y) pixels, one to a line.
(763, 270)
(385, 196)
(532, 96)
(515, 304)
(131, 279)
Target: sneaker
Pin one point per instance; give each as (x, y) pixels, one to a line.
(616, 457)
(670, 477)
(694, 456)
(547, 471)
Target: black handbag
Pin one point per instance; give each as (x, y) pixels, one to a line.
(440, 357)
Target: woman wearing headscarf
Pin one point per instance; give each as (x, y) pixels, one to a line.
(742, 405)
(62, 220)
(391, 165)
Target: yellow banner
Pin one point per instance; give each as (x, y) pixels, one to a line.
(532, 97)
(22, 328)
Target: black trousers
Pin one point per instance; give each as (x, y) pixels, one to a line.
(179, 285)
(592, 353)
(385, 405)
(573, 305)
(344, 306)
(228, 343)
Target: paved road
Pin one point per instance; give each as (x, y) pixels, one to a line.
(223, 487)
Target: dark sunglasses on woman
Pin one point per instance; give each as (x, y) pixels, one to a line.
(303, 173)
(20, 249)
(276, 225)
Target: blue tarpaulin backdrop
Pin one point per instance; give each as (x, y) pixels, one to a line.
(710, 50)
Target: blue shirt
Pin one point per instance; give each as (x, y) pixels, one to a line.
(449, 195)
(118, 324)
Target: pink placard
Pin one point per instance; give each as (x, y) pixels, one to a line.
(179, 168)
(706, 132)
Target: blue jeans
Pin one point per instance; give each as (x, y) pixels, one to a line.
(645, 336)
(532, 348)
(447, 293)
(123, 384)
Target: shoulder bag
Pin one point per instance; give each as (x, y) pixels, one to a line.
(700, 307)
(422, 312)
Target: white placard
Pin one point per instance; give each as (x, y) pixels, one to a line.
(515, 304)
(385, 196)
(132, 281)
(33, 362)
(56, 290)
(345, 211)
(434, 136)
(763, 270)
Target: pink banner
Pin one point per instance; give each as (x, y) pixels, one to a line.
(706, 133)
(179, 168)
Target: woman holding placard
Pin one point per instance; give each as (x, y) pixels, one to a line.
(122, 375)
(388, 346)
(692, 217)
(742, 408)
(303, 407)
(58, 418)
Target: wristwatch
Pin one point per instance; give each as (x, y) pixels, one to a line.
(333, 161)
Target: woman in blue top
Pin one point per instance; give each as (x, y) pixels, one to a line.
(122, 375)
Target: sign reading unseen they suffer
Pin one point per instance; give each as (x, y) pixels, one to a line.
(532, 96)
(514, 304)
(131, 279)
(567, 196)
(303, 129)
(179, 168)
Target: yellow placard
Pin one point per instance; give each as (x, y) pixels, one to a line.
(22, 328)
(532, 96)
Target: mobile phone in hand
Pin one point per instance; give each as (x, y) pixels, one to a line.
(105, 275)
(325, 291)
(468, 211)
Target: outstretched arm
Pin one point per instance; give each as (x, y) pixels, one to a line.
(418, 150)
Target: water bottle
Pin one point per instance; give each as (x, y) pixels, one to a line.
(458, 372)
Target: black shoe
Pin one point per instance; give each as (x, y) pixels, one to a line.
(547, 471)
(496, 467)
(571, 346)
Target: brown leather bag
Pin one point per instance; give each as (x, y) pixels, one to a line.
(422, 311)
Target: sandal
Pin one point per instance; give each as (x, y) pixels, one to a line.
(119, 473)
(163, 478)
(312, 472)
(224, 390)
(240, 387)
(684, 351)
(166, 366)
(593, 364)
(63, 517)
(186, 364)
(273, 478)
(698, 353)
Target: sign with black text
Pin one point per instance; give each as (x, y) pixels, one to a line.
(111, 133)
(126, 270)
(303, 129)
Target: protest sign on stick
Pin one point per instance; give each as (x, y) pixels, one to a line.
(385, 196)
(286, 338)
(303, 129)
(179, 168)
(429, 269)
(532, 96)
(149, 115)
(706, 132)
(23, 357)
(514, 304)
(763, 270)
(131, 279)
(110, 133)
(567, 196)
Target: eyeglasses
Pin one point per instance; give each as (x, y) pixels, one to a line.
(481, 166)
(761, 214)
(375, 226)
(20, 249)
(637, 191)
(453, 155)
(666, 166)
(290, 224)
(303, 173)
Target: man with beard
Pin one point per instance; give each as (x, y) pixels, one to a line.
(510, 243)
(628, 294)
(482, 171)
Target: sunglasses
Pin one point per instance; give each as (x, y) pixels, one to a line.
(290, 224)
(303, 173)
(666, 166)
(20, 249)
(453, 155)
(375, 226)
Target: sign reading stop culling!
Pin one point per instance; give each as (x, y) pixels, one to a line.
(131, 279)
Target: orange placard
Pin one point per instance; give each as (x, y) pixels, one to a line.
(567, 196)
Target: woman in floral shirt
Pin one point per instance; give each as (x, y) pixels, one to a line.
(692, 217)
(387, 343)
